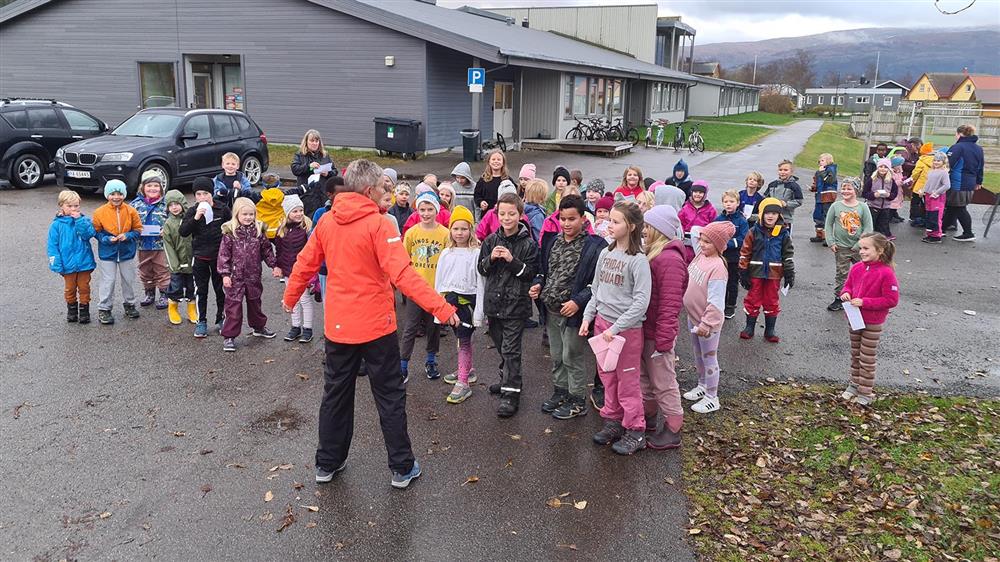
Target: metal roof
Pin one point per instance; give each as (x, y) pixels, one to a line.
(668, 22)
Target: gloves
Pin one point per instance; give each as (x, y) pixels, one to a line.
(745, 278)
(790, 279)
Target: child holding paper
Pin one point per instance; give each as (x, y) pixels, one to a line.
(766, 258)
(620, 296)
(153, 271)
(750, 196)
(872, 287)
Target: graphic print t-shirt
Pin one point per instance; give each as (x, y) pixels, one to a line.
(424, 245)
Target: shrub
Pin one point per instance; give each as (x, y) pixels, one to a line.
(820, 109)
(775, 103)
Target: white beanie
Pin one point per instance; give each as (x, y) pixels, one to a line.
(290, 203)
(506, 186)
(428, 197)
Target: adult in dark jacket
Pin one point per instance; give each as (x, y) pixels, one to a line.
(563, 286)
(965, 159)
(311, 155)
(508, 259)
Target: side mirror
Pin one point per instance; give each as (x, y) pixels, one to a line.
(188, 136)
(105, 127)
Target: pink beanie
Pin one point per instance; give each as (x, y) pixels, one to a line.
(719, 233)
(527, 171)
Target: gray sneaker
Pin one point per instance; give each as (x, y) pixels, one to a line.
(630, 443)
(611, 432)
(452, 378)
(401, 481)
(323, 475)
(229, 344)
(459, 394)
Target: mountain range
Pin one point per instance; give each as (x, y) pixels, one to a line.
(906, 53)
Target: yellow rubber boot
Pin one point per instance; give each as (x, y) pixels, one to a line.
(172, 312)
(192, 312)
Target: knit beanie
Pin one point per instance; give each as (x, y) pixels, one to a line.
(897, 161)
(597, 185)
(665, 220)
(927, 148)
(402, 188)
(460, 213)
(855, 183)
(291, 203)
(428, 197)
(700, 185)
(647, 182)
(718, 233)
(506, 186)
(423, 188)
(114, 186)
(884, 162)
(203, 184)
(527, 172)
(606, 203)
(560, 172)
(941, 157)
(391, 174)
(150, 176)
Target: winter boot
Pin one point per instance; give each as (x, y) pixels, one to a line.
(172, 313)
(130, 310)
(72, 314)
(747, 332)
(192, 312)
(149, 299)
(559, 396)
(769, 333)
(820, 236)
(85, 313)
(508, 406)
(161, 301)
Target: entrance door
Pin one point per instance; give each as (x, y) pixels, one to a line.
(503, 108)
(202, 90)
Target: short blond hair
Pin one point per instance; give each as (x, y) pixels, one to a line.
(230, 156)
(68, 197)
(759, 177)
(826, 156)
(732, 194)
(536, 191)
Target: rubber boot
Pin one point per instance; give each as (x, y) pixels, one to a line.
(769, 333)
(820, 236)
(172, 313)
(71, 312)
(747, 332)
(84, 310)
(192, 312)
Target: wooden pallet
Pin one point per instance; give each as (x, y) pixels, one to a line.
(607, 148)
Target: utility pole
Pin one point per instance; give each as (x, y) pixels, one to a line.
(754, 79)
(871, 112)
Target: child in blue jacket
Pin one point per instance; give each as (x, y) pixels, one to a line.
(825, 186)
(732, 212)
(71, 256)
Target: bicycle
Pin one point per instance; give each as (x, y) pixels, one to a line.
(678, 137)
(500, 143)
(598, 129)
(580, 131)
(695, 140)
(660, 125)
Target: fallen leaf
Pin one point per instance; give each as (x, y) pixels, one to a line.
(510, 463)
(514, 437)
(235, 465)
(297, 485)
(761, 462)
(310, 524)
(303, 376)
(288, 519)
(105, 515)
(471, 480)
(313, 508)
(179, 434)
(569, 546)
(269, 496)
(669, 480)
(694, 531)
(205, 489)
(581, 505)
(893, 554)
(553, 502)
(548, 430)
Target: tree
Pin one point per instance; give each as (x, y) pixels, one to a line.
(797, 70)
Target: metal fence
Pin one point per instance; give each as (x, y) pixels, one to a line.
(931, 121)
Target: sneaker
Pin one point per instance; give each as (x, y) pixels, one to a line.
(149, 298)
(219, 325)
(161, 303)
(508, 407)
(401, 481)
(452, 378)
(323, 475)
(950, 228)
(105, 317)
(263, 333)
(293, 334)
(850, 393)
(431, 370)
(864, 400)
(931, 239)
(837, 304)
(630, 443)
(405, 373)
(558, 398)
(229, 344)
(610, 433)
(696, 393)
(730, 312)
(201, 330)
(307, 336)
(572, 407)
(459, 394)
(966, 237)
(706, 405)
(130, 311)
(597, 397)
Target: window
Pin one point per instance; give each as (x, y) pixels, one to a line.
(809, 100)
(886, 101)
(862, 99)
(243, 124)
(44, 119)
(198, 124)
(580, 95)
(922, 87)
(819, 100)
(968, 87)
(592, 96)
(17, 119)
(223, 126)
(157, 85)
(157, 125)
(79, 121)
(840, 100)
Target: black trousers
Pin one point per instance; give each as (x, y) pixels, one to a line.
(205, 272)
(917, 209)
(957, 214)
(733, 285)
(881, 219)
(506, 334)
(336, 413)
(181, 287)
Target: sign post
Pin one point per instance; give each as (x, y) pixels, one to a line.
(476, 81)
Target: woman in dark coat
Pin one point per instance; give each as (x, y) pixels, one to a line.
(311, 155)
(965, 159)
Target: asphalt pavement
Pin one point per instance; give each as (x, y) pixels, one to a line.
(138, 441)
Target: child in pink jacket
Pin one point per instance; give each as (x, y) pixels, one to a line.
(697, 211)
(871, 286)
(704, 301)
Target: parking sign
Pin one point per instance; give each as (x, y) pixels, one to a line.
(476, 79)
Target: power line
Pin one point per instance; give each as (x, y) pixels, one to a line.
(971, 2)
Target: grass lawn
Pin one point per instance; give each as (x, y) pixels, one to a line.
(282, 154)
(832, 138)
(719, 137)
(755, 118)
(991, 181)
(789, 471)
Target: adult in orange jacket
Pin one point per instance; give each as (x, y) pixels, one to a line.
(365, 258)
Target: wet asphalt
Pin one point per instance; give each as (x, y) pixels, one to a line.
(138, 441)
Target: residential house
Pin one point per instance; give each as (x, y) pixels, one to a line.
(855, 98)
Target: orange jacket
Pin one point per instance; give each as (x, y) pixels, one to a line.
(365, 258)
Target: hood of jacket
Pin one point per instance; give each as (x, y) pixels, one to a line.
(522, 232)
(175, 196)
(462, 169)
(242, 231)
(680, 165)
(351, 207)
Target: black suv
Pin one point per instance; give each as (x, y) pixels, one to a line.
(179, 144)
(32, 130)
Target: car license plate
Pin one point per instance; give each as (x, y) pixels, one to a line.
(81, 174)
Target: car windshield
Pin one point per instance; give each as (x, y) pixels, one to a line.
(159, 125)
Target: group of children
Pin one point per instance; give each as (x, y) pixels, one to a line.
(615, 264)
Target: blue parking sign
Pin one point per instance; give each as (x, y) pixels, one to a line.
(477, 77)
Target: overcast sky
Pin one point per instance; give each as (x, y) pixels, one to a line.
(750, 20)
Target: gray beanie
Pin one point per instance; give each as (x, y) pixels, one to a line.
(391, 174)
(664, 219)
(597, 185)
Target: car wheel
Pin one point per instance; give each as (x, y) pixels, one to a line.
(161, 171)
(27, 171)
(252, 169)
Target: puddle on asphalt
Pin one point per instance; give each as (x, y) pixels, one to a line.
(279, 421)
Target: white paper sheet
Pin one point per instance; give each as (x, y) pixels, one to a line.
(208, 214)
(747, 211)
(328, 167)
(150, 230)
(854, 316)
(784, 290)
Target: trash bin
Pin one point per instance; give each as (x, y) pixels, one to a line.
(397, 135)
(470, 145)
